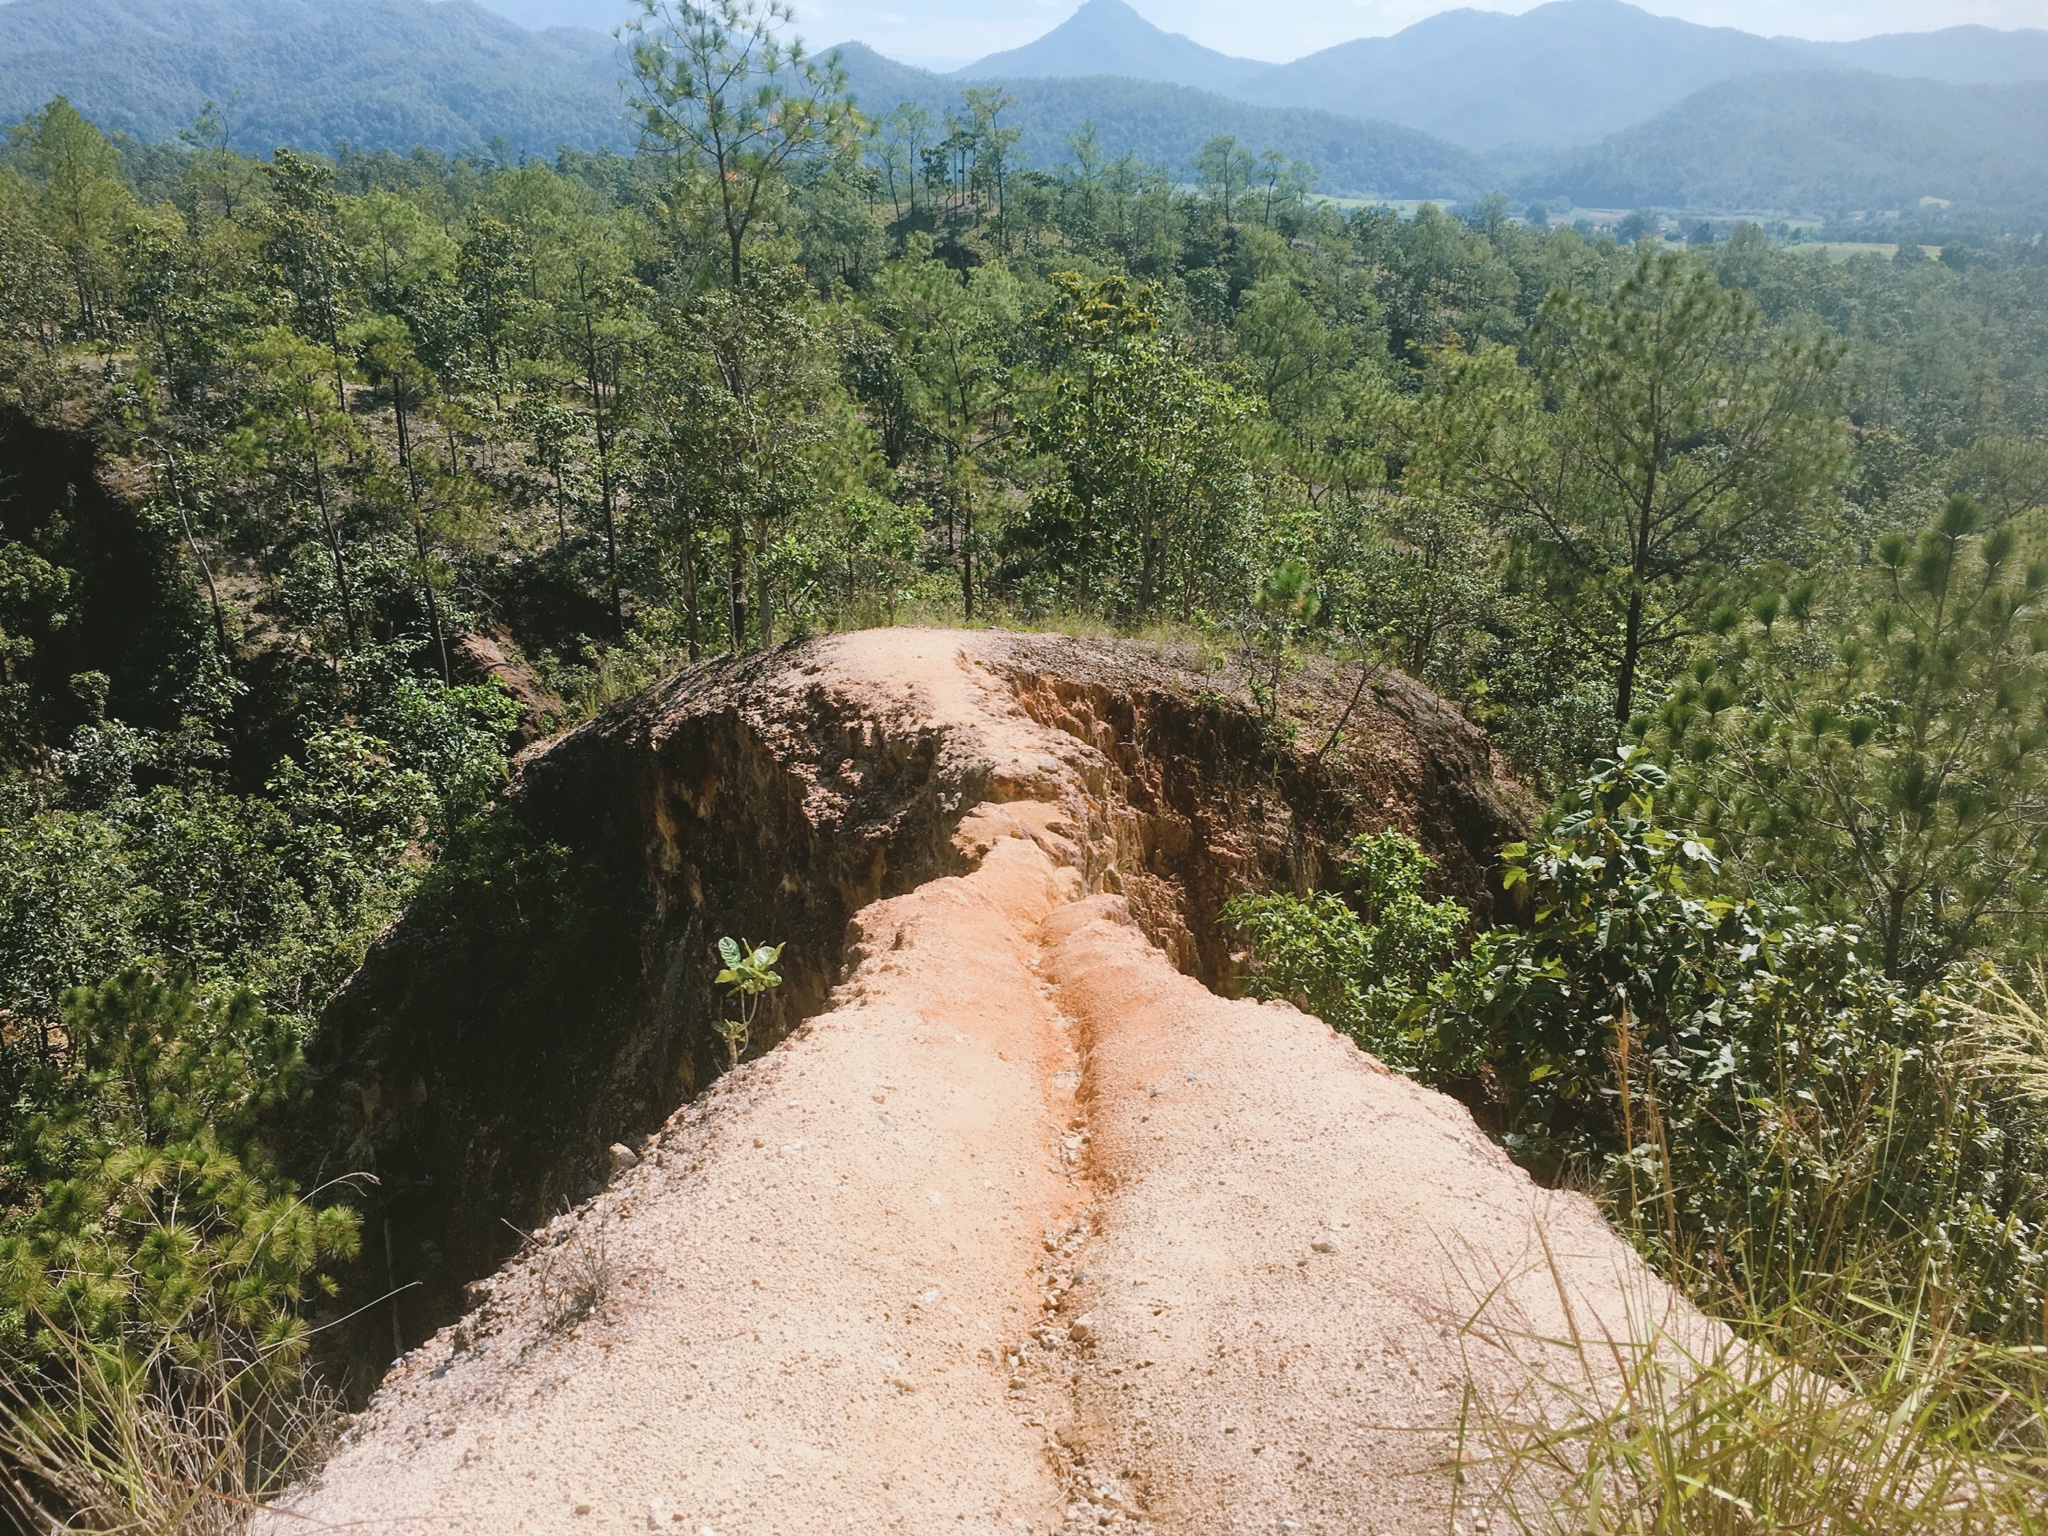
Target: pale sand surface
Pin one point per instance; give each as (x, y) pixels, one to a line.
(1028, 1232)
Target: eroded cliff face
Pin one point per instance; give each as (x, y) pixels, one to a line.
(551, 991)
(1204, 801)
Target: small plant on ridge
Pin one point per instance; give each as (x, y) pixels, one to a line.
(748, 976)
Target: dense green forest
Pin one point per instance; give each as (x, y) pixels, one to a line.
(1735, 553)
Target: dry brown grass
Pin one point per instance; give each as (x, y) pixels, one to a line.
(95, 1441)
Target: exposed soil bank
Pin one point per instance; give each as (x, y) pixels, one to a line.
(551, 992)
(1026, 1230)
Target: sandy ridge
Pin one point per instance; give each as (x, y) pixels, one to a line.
(1029, 1232)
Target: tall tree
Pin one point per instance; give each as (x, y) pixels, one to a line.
(290, 426)
(743, 382)
(385, 348)
(900, 143)
(32, 288)
(308, 253)
(952, 333)
(1225, 169)
(1669, 440)
(1152, 491)
(597, 315)
(989, 143)
(83, 201)
(716, 83)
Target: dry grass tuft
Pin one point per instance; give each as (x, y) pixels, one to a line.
(2011, 1023)
(573, 1276)
(1830, 1416)
(146, 1448)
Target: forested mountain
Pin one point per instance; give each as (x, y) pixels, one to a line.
(315, 73)
(1568, 72)
(590, 15)
(1168, 125)
(1108, 37)
(1822, 142)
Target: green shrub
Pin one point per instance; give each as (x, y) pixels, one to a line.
(1358, 962)
(143, 1214)
(1764, 1111)
(1756, 1101)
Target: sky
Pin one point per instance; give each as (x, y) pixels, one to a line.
(944, 33)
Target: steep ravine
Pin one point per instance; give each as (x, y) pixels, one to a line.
(1025, 1228)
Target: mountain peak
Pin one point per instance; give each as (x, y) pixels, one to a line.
(1110, 37)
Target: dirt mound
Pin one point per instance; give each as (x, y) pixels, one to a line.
(1025, 1229)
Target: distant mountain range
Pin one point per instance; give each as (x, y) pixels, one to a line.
(1569, 72)
(314, 73)
(1591, 100)
(1833, 140)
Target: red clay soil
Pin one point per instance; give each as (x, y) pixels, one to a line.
(1028, 1231)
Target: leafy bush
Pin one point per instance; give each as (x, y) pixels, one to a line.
(1357, 963)
(280, 891)
(1755, 1099)
(1619, 949)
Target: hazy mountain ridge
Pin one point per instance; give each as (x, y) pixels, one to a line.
(454, 76)
(1565, 73)
(313, 73)
(1107, 37)
(1823, 140)
(1955, 55)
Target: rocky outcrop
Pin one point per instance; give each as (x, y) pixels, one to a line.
(550, 992)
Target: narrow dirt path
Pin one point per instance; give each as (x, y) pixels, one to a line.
(1029, 1232)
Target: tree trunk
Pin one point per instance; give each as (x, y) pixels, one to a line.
(419, 527)
(736, 586)
(604, 474)
(1894, 931)
(348, 615)
(220, 623)
(690, 579)
(1148, 575)
(967, 561)
(763, 598)
(1631, 656)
